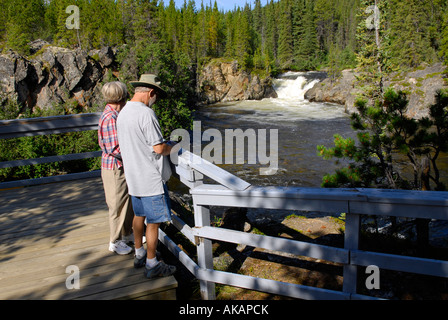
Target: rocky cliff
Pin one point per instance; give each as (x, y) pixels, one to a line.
(225, 81)
(54, 76)
(58, 76)
(421, 86)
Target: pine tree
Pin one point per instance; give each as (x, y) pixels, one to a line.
(372, 56)
(285, 40)
(242, 38)
(213, 32)
(258, 25)
(384, 130)
(271, 18)
(305, 37)
(410, 32)
(201, 34)
(189, 21)
(64, 36)
(24, 22)
(170, 33)
(230, 24)
(444, 39)
(325, 21)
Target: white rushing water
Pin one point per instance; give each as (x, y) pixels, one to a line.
(289, 106)
(292, 86)
(301, 125)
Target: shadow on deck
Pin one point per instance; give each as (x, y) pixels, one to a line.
(45, 229)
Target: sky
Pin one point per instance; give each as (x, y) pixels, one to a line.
(225, 5)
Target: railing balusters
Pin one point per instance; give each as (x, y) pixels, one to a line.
(351, 242)
(204, 250)
(234, 192)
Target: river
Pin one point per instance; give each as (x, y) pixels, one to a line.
(301, 125)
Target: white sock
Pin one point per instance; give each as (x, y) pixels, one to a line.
(140, 252)
(150, 263)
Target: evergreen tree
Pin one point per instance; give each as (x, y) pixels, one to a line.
(242, 38)
(229, 50)
(276, 34)
(24, 22)
(305, 37)
(169, 32)
(324, 14)
(201, 33)
(385, 131)
(373, 56)
(189, 21)
(271, 18)
(258, 25)
(213, 32)
(285, 40)
(410, 32)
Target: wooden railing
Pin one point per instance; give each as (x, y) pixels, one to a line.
(43, 126)
(231, 191)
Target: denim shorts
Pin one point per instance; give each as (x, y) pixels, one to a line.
(156, 209)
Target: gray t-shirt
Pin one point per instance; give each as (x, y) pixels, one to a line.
(138, 131)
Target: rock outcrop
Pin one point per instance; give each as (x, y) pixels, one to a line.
(421, 86)
(225, 81)
(339, 91)
(54, 76)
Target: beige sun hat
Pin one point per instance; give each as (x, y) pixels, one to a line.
(150, 81)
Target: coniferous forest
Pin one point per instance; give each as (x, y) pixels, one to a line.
(377, 37)
(264, 34)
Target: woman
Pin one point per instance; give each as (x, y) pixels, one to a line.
(114, 182)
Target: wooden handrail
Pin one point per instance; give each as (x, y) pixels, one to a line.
(233, 191)
(17, 128)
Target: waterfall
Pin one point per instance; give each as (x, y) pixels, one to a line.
(294, 85)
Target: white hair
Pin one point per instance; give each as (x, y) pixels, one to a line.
(115, 92)
(143, 89)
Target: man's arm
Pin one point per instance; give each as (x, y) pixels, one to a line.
(163, 149)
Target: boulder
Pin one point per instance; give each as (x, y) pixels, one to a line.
(420, 85)
(55, 76)
(339, 91)
(225, 81)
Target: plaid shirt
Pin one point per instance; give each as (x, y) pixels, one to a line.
(108, 140)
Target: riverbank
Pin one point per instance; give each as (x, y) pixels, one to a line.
(420, 84)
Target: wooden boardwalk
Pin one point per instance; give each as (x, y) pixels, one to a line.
(44, 229)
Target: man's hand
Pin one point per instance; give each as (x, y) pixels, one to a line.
(164, 148)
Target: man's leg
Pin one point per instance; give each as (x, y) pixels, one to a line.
(155, 268)
(152, 238)
(138, 225)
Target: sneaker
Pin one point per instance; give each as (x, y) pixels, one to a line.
(120, 247)
(139, 262)
(159, 270)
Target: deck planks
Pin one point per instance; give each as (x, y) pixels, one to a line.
(44, 229)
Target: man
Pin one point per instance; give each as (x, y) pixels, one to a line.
(147, 170)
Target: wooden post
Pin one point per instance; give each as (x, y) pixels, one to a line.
(204, 249)
(351, 242)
